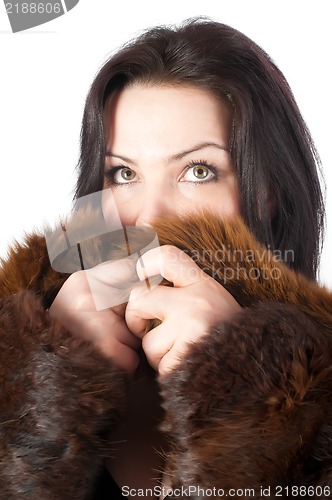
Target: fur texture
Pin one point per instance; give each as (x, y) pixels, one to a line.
(59, 397)
(249, 406)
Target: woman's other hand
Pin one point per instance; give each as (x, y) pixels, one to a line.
(91, 305)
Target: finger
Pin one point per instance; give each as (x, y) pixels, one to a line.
(145, 305)
(122, 333)
(116, 342)
(110, 283)
(115, 273)
(102, 328)
(157, 343)
(172, 263)
(170, 361)
(162, 347)
(125, 359)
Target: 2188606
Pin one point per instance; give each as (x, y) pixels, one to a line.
(33, 8)
(303, 491)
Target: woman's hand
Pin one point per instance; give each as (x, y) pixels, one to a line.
(187, 311)
(91, 305)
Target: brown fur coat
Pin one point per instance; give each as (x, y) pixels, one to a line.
(249, 407)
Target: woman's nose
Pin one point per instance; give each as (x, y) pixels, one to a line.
(155, 203)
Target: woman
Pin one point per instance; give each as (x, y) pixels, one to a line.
(178, 121)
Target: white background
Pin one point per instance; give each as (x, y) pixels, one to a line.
(45, 74)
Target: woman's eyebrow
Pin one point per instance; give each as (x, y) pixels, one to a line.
(198, 147)
(109, 154)
(177, 156)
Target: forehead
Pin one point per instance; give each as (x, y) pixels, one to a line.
(160, 113)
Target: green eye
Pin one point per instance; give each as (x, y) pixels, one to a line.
(127, 174)
(200, 172)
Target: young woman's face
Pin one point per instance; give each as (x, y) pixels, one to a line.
(167, 151)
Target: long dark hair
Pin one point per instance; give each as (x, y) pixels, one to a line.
(273, 152)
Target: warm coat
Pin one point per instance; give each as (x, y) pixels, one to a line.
(249, 407)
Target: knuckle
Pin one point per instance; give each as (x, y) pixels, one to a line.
(151, 349)
(170, 252)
